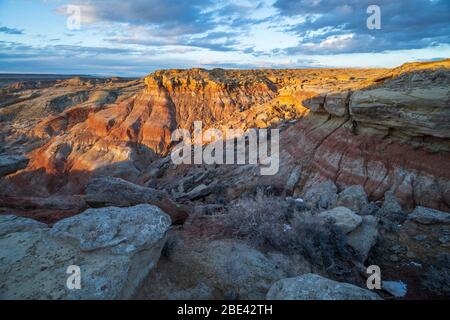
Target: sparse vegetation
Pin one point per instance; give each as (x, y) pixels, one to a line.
(272, 223)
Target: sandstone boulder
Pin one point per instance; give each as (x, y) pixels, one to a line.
(322, 195)
(429, 216)
(343, 218)
(314, 287)
(391, 209)
(353, 197)
(12, 163)
(111, 191)
(364, 237)
(114, 248)
(293, 179)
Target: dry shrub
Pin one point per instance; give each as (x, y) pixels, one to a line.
(273, 223)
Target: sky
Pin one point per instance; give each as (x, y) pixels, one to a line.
(136, 37)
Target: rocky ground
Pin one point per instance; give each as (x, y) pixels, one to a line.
(86, 179)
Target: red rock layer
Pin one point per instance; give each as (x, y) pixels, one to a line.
(332, 151)
(123, 138)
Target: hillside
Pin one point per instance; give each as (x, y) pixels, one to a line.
(373, 144)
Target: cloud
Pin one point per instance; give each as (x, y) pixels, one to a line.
(11, 30)
(335, 27)
(215, 40)
(207, 24)
(169, 17)
(138, 36)
(325, 27)
(72, 59)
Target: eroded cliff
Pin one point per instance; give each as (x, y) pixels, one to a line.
(386, 130)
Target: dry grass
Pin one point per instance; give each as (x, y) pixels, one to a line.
(272, 223)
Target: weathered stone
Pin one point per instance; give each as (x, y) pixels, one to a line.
(111, 191)
(314, 287)
(415, 108)
(337, 103)
(125, 229)
(322, 195)
(114, 248)
(343, 218)
(229, 269)
(316, 104)
(353, 197)
(391, 209)
(364, 237)
(11, 224)
(293, 179)
(198, 192)
(429, 216)
(297, 203)
(12, 163)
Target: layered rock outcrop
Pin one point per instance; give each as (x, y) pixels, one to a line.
(416, 104)
(385, 130)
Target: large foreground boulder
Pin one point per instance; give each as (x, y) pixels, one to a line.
(114, 249)
(314, 287)
(111, 191)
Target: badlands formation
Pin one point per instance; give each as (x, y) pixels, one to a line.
(86, 179)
